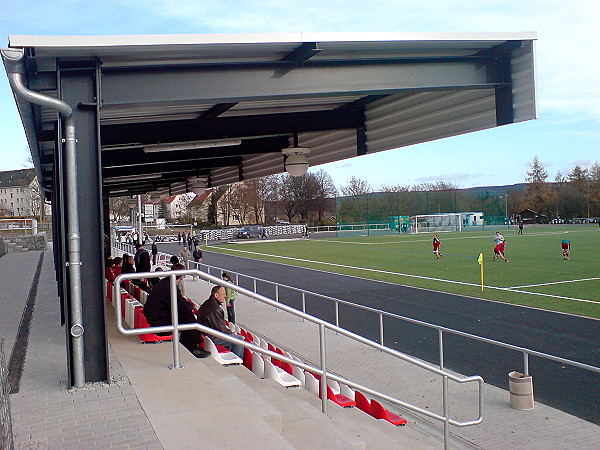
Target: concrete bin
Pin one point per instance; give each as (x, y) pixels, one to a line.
(521, 391)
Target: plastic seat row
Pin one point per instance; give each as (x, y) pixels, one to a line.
(132, 311)
(339, 393)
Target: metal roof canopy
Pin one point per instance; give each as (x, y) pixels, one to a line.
(341, 94)
(344, 94)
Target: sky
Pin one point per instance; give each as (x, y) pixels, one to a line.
(566, 134)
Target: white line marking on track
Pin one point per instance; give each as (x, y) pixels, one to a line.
(411, 275)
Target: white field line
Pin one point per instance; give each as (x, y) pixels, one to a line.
(409, 275)
(445, 238)
(553, 282)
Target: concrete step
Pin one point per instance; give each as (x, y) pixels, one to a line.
(200, 405)
(10, 247)
(305, 426)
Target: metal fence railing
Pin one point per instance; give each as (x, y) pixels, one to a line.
(442, 332)
(322, 368)
(6, 436)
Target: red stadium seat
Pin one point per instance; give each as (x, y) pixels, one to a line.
(379, 412)
(362, 402)
(141, 322)
(248, 358)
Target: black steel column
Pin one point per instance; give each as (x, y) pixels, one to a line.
(79, 87)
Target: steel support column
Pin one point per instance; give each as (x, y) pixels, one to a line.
(77, 88)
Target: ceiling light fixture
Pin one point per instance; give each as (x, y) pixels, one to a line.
(191, 145)
(144, 176)
(296, 163)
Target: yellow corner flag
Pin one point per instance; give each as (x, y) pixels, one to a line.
(480, 261)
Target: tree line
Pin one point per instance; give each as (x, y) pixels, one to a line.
(311, 198)
(568, 196)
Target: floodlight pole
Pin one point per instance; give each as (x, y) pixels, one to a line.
(506, 210)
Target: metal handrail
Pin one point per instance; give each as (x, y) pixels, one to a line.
(441, 329)
(176, 327)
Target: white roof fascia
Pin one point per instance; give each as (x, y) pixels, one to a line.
(20, 41)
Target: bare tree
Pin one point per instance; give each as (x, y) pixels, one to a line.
(439, 185)
(37, 202)
(225, 203)
(119, 208)
(355, 186)
(252, 199)
(325, 199)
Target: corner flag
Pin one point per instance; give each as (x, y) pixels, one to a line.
(480, 261)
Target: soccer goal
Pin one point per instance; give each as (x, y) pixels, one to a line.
(435, 223)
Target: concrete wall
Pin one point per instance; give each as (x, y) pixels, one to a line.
(37, 242)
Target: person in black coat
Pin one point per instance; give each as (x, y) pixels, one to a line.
(154, 252)
(142, 259)
(158, 313)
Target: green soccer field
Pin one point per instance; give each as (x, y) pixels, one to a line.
(536, 274)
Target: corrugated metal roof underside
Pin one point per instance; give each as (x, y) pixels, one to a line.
(401, 118)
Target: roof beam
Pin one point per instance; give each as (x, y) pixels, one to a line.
(228, 85)
(230, 127)
(217, 110)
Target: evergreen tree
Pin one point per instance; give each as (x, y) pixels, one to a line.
(538, 197)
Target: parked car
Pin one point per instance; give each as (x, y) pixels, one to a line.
(249, 232)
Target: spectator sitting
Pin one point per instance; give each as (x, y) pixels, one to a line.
(158, 313)
(109, 271)
(117, 267)
(127, 266)
(174, 260)
(154, 281)
(211, 315)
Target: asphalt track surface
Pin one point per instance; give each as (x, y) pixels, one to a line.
(564, 387)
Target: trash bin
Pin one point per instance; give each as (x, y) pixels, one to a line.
(521, 391)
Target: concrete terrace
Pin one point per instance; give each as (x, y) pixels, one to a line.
(204, 405)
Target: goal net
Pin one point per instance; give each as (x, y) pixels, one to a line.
(435, 223)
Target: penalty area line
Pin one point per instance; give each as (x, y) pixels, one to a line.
(553, 282)
(387, 272)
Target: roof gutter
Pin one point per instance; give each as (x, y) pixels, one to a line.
(12, 58)
(13, 61)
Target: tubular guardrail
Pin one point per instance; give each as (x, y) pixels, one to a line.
(381, 313)
(526, 352)
(322, 370)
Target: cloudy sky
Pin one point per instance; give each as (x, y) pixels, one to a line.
(567, 132)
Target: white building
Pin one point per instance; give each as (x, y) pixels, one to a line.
(19, 193)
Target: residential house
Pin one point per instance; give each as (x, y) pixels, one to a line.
(19, 194)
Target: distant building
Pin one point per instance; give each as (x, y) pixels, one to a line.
(529, 216)
(19, 195)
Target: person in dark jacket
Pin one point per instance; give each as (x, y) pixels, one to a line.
(197, 254)
(127, 266)
(154, 252)
(158, 313)
(211, 315)
(141, 259)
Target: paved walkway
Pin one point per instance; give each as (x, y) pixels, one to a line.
(502, 428)
(117, 415)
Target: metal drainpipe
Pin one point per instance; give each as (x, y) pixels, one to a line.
(15, 69)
